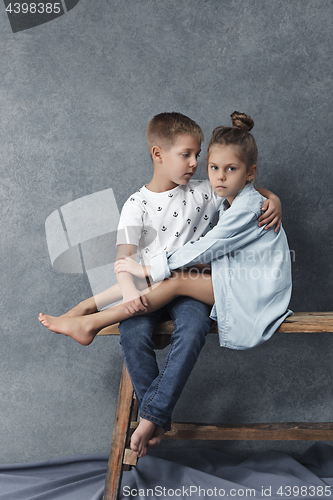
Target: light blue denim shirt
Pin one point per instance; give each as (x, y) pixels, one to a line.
(251, 272)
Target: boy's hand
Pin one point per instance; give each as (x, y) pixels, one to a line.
(272, 215)
(129, 265)
(135, 302)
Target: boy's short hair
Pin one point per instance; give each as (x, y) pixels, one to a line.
(164, 129)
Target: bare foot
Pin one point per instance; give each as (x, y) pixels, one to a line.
(141, 436)
(78, 328)
(156, 437)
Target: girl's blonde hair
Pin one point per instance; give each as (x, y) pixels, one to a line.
(238, 136)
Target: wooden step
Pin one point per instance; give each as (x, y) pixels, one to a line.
(280, 431)
(301, 322)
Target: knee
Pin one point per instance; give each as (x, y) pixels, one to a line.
(134, 329)
(177, 283)
(193, 326)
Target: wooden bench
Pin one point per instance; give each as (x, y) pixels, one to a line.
(122, 458)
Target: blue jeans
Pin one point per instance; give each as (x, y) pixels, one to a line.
(158, 391)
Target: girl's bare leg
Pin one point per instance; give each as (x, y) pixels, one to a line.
(83, 308)
(97, 302)
(83, 329)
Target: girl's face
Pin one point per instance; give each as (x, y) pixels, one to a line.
(227, 173)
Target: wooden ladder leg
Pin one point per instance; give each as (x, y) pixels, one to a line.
(119, 437)
(130, 458)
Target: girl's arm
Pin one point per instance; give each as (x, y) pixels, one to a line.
(273, 210)
(235, 229)
(129, 265)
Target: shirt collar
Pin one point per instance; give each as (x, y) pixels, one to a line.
(246, 189)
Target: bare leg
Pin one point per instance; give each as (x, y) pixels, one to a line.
(156, 437)
(97, 302)
(83, 308)
(83, 329)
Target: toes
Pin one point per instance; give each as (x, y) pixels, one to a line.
(153, 442)
(138, 448)
(135, 445)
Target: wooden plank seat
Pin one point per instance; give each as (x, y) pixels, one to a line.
(122, 458)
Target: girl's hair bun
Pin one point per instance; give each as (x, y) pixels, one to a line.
(242, 121)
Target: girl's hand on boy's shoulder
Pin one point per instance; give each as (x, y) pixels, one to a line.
(272, 215)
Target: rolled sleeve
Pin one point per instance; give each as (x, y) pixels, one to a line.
(159, 267)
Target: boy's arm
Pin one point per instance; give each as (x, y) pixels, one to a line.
(131, 296)
(272, 208)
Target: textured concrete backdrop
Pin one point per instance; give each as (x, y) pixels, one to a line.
(76, 95)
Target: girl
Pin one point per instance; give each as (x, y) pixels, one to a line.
(250, 284)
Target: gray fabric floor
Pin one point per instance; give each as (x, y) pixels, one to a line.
(180, 473)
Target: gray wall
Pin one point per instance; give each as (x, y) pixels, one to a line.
(76, 95)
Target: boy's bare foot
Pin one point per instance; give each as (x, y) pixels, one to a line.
(141, 436)
(156, 437)
(79, 328)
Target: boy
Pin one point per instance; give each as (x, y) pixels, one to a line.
(163, 215)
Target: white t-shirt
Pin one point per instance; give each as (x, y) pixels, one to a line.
(165, 221)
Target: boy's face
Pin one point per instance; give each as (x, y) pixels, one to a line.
(180, 161)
